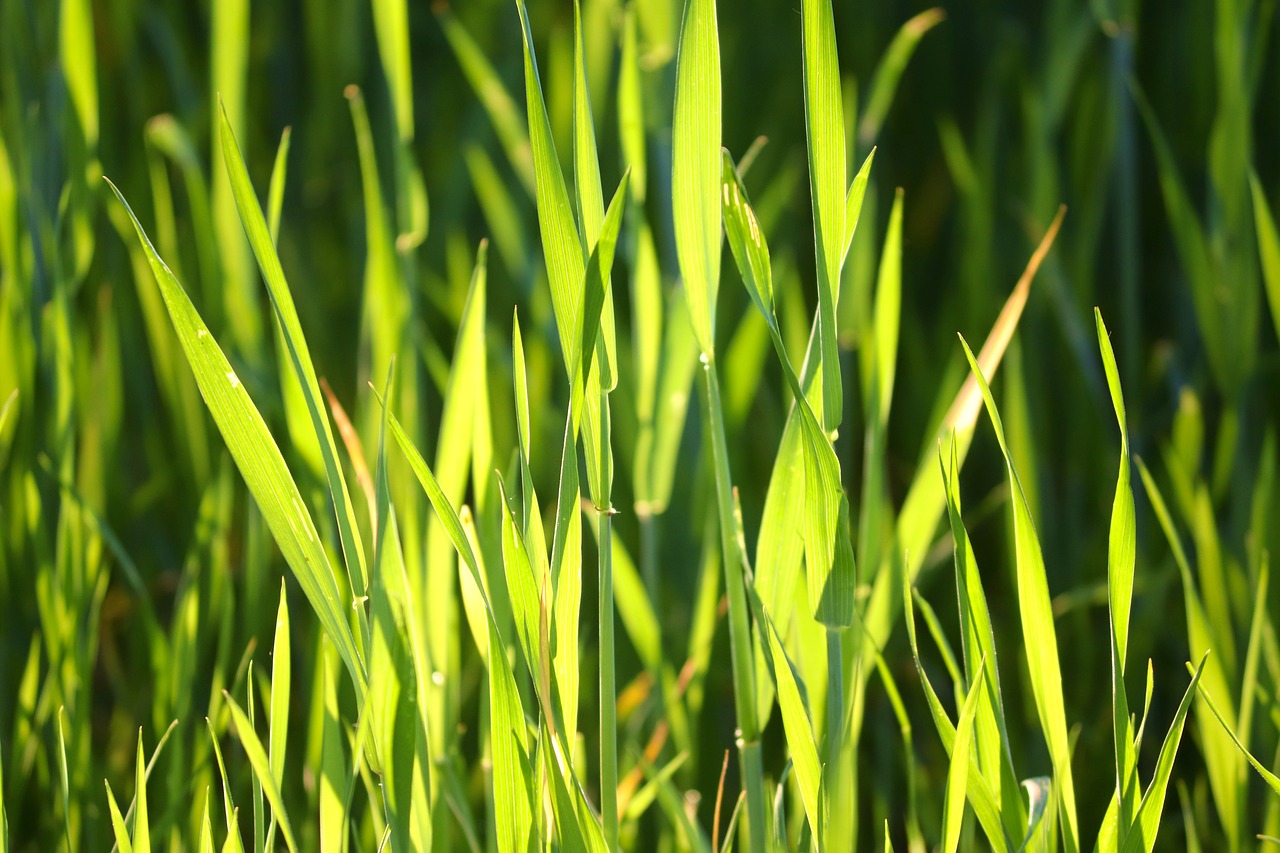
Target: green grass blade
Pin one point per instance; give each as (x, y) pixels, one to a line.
(695, 157)
(255, 226)
(958, 773)
(853, 202)
(391, 25)
(1268, 247)
(824, 125)
(261, 769)
(512, 776)
(259, 461)
(333, 815)
(281, 678)
(1039, 635)
(1270, 778)
(141, 822)
(275, 193)
(1148, 819)
(799, 732)
(118, 827)
(884, 84)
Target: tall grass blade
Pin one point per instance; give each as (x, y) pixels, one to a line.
(957, 775)
(261, 769)
(1268, 247)
(1039, 635)
(695, 157)
(259, 461)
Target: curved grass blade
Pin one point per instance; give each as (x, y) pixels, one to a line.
(1268, 247)
(118, 827)
(894, 61)
(259, 461)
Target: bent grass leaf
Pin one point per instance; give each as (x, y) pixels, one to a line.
(258, 459)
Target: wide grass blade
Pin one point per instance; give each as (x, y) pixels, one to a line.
(259, 461)
(695, 157)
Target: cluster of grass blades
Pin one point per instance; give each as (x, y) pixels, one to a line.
(434, 679)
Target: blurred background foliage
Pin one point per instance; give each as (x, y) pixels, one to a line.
(119, 510)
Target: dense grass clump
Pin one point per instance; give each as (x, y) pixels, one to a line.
(414, 327)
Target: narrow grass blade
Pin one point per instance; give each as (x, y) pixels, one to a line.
(958, 773)
(261, 768)
(512, 774)
(118, 827)
(333, 815)
(275, 193)
(1268, 247)
(1147, 824)
(824, 125)
(884, 84)
(141, 822)
(391, 25)
(795, 720)
(259, 461)
(255, 226)
(281, 678)
(1039, 635)
(1270, 778)
(853, 202)
(695, 177)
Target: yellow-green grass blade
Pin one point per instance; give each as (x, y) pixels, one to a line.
(824, 125)
(985, 806)
(333, 815)
(281, 680)
(563, 251)
(118, 827)
(828, 554)
(391, 25)
(695, 157)
(631, 131)
(802, 747)
(1121, 556)
(1270, 778)
(1147, 824)
(1268, 247)
(205, 842)
(1260, 625)
(228, 76)
(977, 640)
(522, 585)
(259, 461)
(141, 821)
(853, 202)
(884, 83)
(958, 772)
(255, 227)
(590, 195)
(261, 769)
(566, 579)
(275, 192)
(1039, 635)
(232, 841)
(513, 781)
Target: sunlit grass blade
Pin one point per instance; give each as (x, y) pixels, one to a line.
(957, 775)
(261, 768)
(853, 202)
(981, 799)
(118, 827)
(281, 679)
(1039, 634)
(695, 157)
(824, 125)
(1270, 778)
(259, 461)
(512, 774)
(141, 821)
(1147, 823)
(255, 227)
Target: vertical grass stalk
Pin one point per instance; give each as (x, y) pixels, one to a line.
(744, 691)
(608, 684)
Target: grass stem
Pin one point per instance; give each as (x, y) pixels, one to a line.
(744, 693)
